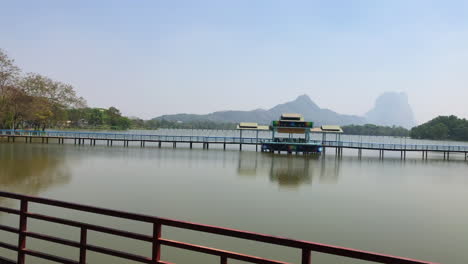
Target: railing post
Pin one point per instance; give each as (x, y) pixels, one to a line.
(156, 244)
(306, 256)
(23, 227)
(223, 260)
(83, 239)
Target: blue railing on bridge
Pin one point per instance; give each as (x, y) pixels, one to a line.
(395, 146)
(123, 136)
(217, 139)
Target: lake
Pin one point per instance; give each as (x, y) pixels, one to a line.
(414, 208)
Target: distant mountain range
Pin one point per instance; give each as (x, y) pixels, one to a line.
(390, 109)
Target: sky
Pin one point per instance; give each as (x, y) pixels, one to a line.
(150, 58)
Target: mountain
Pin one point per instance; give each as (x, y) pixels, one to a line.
(302, 104)
(390, 109)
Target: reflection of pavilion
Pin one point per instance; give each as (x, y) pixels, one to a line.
(289, 171)
(330, 171)
(247, 164)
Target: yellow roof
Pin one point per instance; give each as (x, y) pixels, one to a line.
(327, 129)
(246, 124)
(251, 126)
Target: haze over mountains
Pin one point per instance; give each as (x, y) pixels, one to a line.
(390, 109)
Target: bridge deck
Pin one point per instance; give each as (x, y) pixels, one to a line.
(92, 137)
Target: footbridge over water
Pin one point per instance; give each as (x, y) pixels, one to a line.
(148, 140)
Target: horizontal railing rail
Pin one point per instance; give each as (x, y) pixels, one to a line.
(156, 238)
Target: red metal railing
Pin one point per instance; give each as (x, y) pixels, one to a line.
(156, 239)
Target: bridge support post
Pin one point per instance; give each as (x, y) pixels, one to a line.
(404, 155)
(224, 146)
(191, 145)
(174, 145)
(159, 144)
(207, 145)
(13, 138)
(448, 155)
(444, 155)
(111, 142)
(240, 146)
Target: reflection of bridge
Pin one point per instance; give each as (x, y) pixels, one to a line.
(143, 140)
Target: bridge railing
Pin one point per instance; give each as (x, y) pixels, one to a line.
(220, 139)
(392, 146)
(133, 137)
(155, 238)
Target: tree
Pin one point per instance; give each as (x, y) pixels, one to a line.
(58, 93)
(441, 128)
(9, 73)
(51, 99)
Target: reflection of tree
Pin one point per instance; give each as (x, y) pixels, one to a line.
(30, 169)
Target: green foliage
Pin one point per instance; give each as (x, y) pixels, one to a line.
(442, 128)
(33, 100)
(374, 130)
(97, 118)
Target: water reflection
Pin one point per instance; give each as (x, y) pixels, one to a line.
(30, 169)
(289, 171)
(330, 170)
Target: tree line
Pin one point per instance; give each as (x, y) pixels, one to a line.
(374, 130)
(195, 124)
(34, 101)
(442, 128)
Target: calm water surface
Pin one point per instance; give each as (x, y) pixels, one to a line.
(411, 208)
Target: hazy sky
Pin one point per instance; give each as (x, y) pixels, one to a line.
(149, 58)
